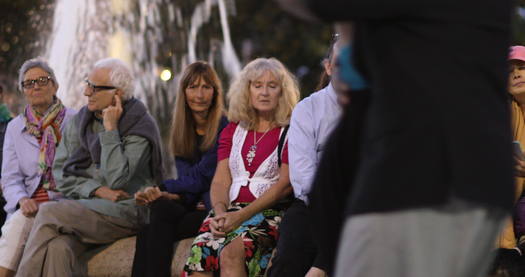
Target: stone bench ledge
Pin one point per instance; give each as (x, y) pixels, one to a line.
(116, 259)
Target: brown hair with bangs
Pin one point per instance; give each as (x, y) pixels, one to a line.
(183, 126)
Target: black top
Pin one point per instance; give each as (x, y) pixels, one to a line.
(435, 122)
(438, 123)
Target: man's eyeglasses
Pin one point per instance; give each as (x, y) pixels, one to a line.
(41, 81)
(95, 89)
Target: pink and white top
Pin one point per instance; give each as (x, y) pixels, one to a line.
(251, 181)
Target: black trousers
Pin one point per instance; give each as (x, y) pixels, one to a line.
(2, 212)
(170, 221)
(296, 250)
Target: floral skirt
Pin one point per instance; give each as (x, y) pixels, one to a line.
(259, 235)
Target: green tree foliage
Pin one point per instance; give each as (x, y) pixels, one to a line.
(273, 33)
(258, 29)
(22, 25)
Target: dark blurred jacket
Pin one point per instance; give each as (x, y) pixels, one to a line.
(435, 123)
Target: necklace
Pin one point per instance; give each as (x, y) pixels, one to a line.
(251, 153)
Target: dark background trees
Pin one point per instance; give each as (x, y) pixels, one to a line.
(258, 29)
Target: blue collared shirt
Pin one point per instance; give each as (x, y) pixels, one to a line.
(313, 120)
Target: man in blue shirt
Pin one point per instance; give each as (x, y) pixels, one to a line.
(313, 120)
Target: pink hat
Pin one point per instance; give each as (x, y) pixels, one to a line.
(517, 53)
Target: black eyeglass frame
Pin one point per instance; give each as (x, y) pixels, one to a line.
(96, 89)
(42, 81)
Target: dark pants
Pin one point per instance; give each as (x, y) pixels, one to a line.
(170, 221)
(296, 251)
(2, 212)
(519, 217)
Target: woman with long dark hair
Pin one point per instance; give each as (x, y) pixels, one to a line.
(197, 121)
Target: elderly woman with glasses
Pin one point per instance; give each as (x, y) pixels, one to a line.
(29, 149)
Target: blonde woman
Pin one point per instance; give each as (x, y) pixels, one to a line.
(197, 121)
(241, 231)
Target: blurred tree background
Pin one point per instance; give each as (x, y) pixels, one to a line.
(258, 29)
(20, 34)
(519, 24)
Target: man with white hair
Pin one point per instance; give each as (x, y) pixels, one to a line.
(109, 150)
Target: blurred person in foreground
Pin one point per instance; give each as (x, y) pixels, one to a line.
(428, 169)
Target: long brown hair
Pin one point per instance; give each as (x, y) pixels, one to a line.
(183, 126)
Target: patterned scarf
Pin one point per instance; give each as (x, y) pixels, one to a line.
(46, 129)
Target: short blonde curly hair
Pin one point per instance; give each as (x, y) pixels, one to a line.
(240, 107)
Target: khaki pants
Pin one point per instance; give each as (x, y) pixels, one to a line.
(61, 232)
(454, 240)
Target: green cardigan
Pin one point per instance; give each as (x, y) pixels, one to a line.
(124, 165)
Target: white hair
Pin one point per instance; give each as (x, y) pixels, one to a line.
(120, 75)
(35, 63)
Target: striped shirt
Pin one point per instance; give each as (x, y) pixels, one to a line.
(40, 195)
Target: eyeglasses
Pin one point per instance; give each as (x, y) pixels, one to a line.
(41, 81)
(94, 89)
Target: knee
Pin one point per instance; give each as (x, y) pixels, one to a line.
(56, 213)
(47, 209)
(283, 257)
(160, 205)
(165, 210)
(46, 213)
(231, 257)
(59, 247)
(283, 263)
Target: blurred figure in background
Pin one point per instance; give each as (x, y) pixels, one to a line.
(509, 258)
(313, 120)
(5, 117)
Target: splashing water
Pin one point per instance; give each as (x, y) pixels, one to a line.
(144, 33)
(78, 39)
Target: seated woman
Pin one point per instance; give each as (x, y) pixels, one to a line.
(241, 231)
(517, 92)
(29, 149)
(197, 121)
(508, 260)
(507, 239)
